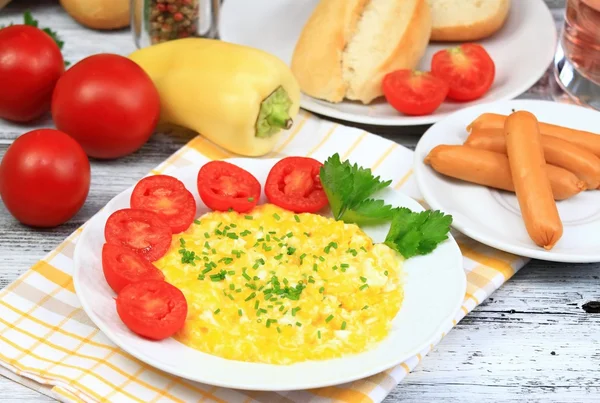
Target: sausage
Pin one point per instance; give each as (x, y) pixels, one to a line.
(588, 140)
(532, 186)
(561, 153)
(492, 169)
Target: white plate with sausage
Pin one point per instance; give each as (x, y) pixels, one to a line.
(527, 40)
(493, 216)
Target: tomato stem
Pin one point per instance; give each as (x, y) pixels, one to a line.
(274, 114)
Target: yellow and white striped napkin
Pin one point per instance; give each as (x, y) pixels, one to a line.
(46, 337)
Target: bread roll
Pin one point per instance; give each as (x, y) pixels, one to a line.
(467, 20)
(348, 46)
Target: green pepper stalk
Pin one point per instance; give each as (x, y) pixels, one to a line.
(274, 114)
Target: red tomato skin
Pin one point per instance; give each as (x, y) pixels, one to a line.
(211, 179)
(117, 272)
(119, 227)
(414, 93)
(142, 198)
(44, 178)
(443, 67)
(310, 199)
(170, 317)
(30, 66)
(108, 104)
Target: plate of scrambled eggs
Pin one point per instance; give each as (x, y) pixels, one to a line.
(282, 301)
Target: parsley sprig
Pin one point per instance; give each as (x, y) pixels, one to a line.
(349, 189)
(29, 20)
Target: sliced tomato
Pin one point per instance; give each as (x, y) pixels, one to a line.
(468, 69)
(223, 186)
(153, 309)
(142, 231)
(414, 93)
(167, 197)
(294, 184)
(122, 266)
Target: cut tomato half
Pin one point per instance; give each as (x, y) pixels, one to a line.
(468, 69)
(152, 309)
(223, 186)
(167, 197)
(122, 266)
(414, 93)
(142, 231)
(294, 184)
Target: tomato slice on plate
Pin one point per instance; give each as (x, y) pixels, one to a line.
(153, 309)
(414, 93)
(223, 186)
(167, 197)
(294, 184)
(142, 231)
(122, 266)
(468, 69)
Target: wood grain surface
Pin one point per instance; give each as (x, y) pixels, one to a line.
(531, 341)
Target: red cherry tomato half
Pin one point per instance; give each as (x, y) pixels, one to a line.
(414, 93)
(223, 186)
(30, 66)
(153, 309)
(468, 69)
(294, 184)
(122, 266)
(44, 178)
(167, 197)
(139, 230)
(108, 104)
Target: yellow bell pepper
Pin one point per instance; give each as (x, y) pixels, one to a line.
(239, 97)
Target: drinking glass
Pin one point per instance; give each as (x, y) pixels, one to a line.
(577, 59)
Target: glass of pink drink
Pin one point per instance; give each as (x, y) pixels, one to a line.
(577, 59)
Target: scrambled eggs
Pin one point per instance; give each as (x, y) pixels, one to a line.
(276, 287)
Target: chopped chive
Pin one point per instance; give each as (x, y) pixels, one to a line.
(266, 248)
(248, 217)
(214, 251)
(255, 278)
(352, 251)
(269, 321)
(230, 297)
(289, 234)
(365, 307)
(281, 308)
(206, 235)
(343, 325)
(231, 272)
(233, 225)
(245, 233)
(232, 235)
(385, 272)
(250, 199)
(226, 260)
(302, 256)
(363, 248)
(307, 234)
(230, 209)
(276, 216)
(296, 218)
(363, 279)
(315, 267)
(218, 232)
(268, 238)
(362, 287)
(251, 296)
(278, 257)
(232, 287)
(290, 250)
(321, 258)
(182, 242)
(319, 334)
(294, 310)
(250, 286)
(278, 329)
(321, 290)
(206, 270)
(201, 277)
(329, 318)
(217, 311)
(256, 304)
(344, 265)
(197, 222)
(334, 267)
(246, 276)
(298, 324)
(240, 312)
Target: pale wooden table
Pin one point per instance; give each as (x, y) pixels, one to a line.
(531, 341)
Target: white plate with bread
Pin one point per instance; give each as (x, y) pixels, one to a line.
(484, 166)
(340, 50)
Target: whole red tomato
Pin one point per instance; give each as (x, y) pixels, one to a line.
(108, 104)
(30, 66)
(44, 178)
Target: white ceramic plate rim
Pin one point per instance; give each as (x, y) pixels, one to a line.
(320, 107)
(452, 255)
(420, 170)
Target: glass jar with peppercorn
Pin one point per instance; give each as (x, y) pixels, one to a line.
(156, 21)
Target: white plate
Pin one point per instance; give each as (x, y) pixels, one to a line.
(434, 290)
(522, 51)
(493, 217)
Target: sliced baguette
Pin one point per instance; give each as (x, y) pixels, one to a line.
(348, 46)
(467, 20)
